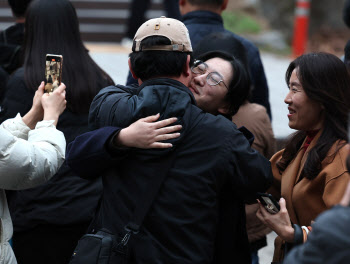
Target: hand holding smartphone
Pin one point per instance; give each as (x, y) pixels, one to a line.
(53, 72)
(269, 202)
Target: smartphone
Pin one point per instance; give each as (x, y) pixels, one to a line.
(270, 203)
(53, 72)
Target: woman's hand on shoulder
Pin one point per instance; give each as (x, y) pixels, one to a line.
(280, 222)
(147, 133)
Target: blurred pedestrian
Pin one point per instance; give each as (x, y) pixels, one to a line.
(49, 220)
(137, 16)
(310, 173)
(11, 39)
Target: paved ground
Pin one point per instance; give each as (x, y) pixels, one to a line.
(113, 59)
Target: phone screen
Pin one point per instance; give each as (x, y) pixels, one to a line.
(53, 72)
(269, 202)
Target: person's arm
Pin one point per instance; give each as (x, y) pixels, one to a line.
(27, 163)
(93, 152)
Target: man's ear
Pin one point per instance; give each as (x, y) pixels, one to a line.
(131, 70)
(182, 6)
(224, 5)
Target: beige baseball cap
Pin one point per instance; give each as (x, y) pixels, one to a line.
(170, 28)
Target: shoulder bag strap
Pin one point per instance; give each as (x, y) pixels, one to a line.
(145, 201)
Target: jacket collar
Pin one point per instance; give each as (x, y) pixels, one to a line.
(167, 82)
(202, 17)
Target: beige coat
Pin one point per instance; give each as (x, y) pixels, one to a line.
(306, 199)
(254, 117)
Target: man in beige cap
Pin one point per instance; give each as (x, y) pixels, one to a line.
(207, 163)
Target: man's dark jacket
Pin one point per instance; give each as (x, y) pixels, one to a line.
(214, 162)
(203, 23)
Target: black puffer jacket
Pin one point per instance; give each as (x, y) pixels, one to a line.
(64, 200)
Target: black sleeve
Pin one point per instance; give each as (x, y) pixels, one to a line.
(90, 154)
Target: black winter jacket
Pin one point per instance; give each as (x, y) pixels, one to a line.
(198, 215)
(64, 200)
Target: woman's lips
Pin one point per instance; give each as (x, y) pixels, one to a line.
(194, 91)
(291, 112)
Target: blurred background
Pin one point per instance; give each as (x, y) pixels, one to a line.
(268, 23)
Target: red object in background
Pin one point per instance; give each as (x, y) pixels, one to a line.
(301, 26)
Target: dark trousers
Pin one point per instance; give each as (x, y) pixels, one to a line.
(47, 243)
(139, 8)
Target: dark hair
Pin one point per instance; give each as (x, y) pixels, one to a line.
(238, 88)
(325, 80)
(206, 2)
(226, 42)
(153, 64)
(19, 7)
(52, 28)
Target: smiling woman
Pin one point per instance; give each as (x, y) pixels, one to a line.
(310, 173)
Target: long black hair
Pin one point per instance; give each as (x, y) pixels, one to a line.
(52, 27)
(325, 80)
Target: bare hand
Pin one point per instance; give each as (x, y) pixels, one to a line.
(146, 133)
(280, 222)
(36, 113)
(54, 103)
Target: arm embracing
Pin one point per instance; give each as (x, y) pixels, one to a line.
(88, 154)
(24, 164)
